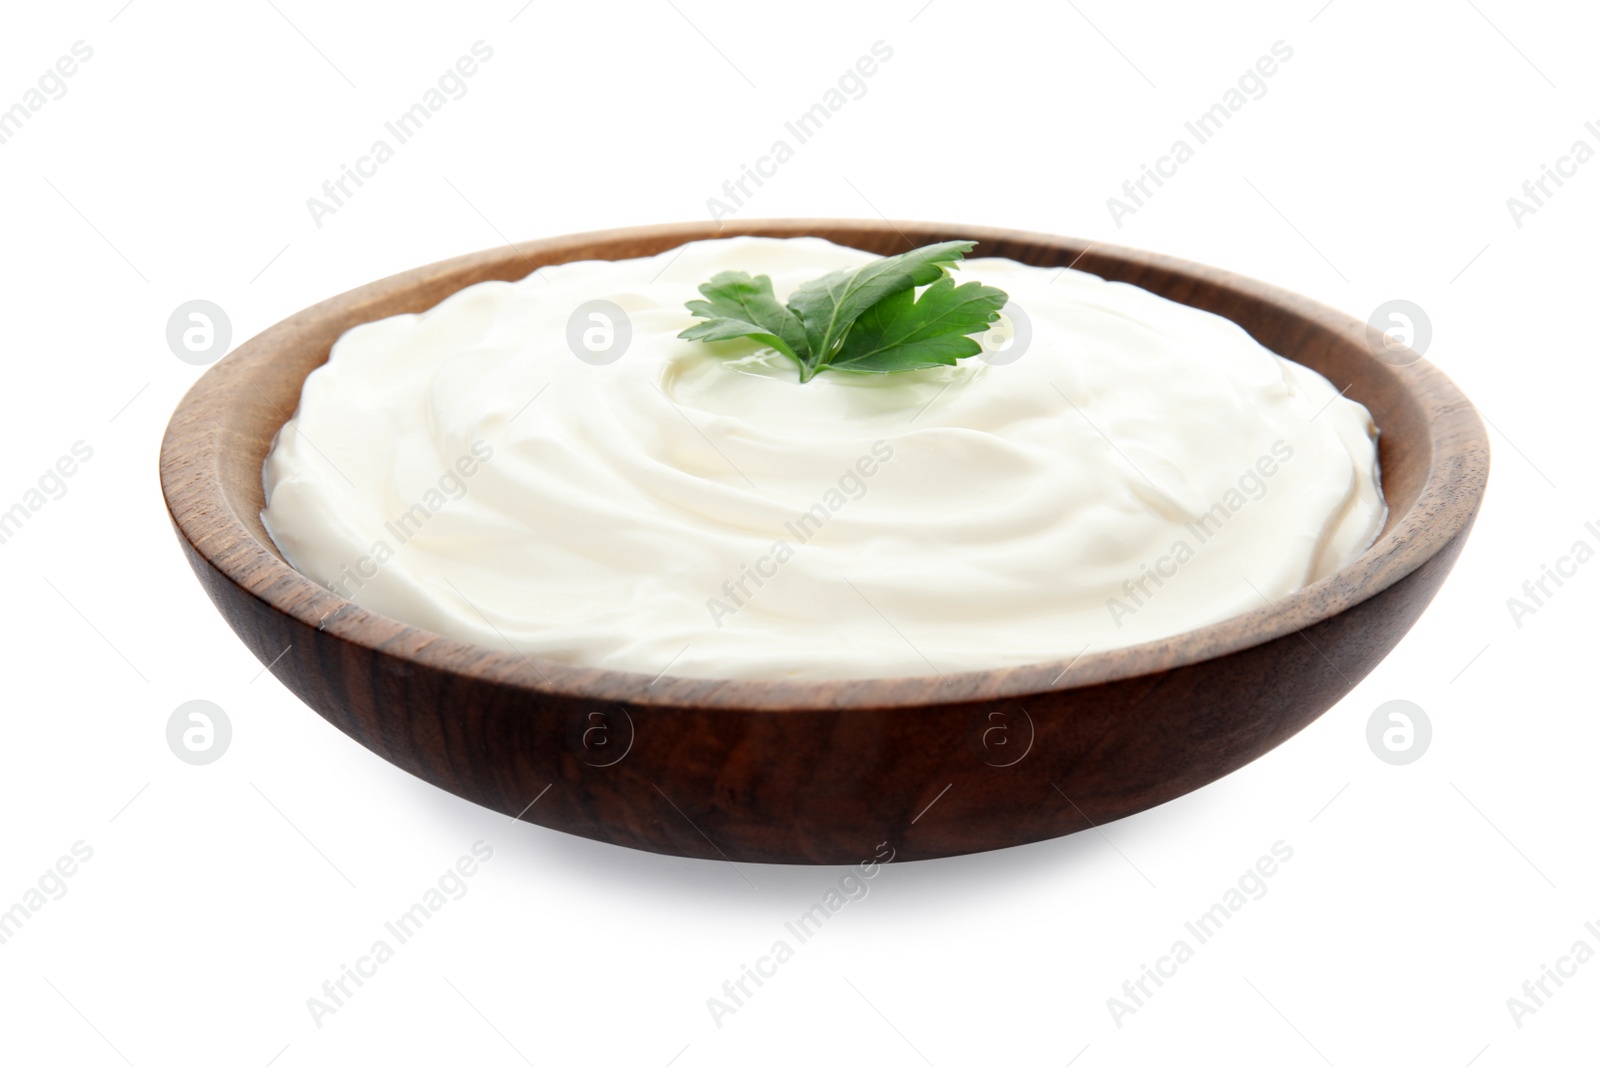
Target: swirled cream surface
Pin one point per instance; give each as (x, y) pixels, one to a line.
(524, 467)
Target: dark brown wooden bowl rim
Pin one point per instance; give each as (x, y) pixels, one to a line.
(235, 545)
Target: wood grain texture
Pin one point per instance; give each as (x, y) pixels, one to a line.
(822, 772)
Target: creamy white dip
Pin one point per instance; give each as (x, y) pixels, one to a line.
(1116, 468)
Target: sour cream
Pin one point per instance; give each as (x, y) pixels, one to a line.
(523, 467)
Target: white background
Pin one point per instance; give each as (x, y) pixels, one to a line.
(219, 898)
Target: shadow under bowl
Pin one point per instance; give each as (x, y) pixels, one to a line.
(823, 772)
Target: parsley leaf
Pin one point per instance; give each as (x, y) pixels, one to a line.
(866, 319)
(737, 305)
(833, 302)
(900, 334)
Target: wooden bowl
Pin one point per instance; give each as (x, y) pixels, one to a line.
(824, 772)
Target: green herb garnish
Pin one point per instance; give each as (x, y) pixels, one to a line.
(868, 319)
